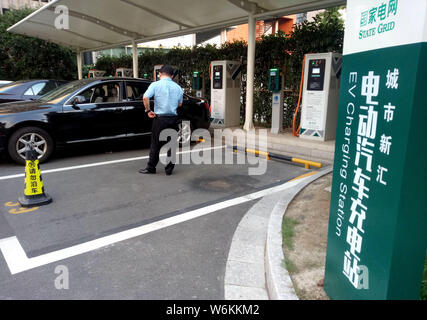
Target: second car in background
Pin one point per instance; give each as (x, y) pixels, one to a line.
(27, 89)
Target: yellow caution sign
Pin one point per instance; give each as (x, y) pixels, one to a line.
(34, 194)
(33, 179)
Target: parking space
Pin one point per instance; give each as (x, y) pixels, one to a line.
(126, 235)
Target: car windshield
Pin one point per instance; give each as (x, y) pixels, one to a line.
(62, 92)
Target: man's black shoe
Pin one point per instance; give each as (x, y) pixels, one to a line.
(168, 172)
(147, 171)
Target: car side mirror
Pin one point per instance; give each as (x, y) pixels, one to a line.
(78, 100)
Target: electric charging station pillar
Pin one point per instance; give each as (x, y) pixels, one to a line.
(275, 86)
(377, 228)
(319, 108)
(198, 84)
(225, 93)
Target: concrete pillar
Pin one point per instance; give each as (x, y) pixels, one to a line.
(224, 36)
(80, 65)
(250, 75)
(135, 59)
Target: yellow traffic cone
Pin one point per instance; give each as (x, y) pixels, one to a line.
(34, 194)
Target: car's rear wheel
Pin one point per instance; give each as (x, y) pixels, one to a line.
(184, 132)
(34, 137)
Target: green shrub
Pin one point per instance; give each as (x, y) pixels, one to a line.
(24, 57)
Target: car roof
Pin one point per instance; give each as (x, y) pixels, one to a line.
(118, 79)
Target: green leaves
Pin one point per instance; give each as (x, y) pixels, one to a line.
(29, 58)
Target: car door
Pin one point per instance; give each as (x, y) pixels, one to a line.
(137, 119)
(99, 115)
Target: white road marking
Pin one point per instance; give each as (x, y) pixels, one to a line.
(18, 261)
(97, 164)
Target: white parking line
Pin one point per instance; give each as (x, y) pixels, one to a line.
(97, 164)
(18, 261)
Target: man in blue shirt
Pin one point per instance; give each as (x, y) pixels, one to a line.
(168, 97)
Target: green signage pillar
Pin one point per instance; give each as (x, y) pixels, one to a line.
(378, 220)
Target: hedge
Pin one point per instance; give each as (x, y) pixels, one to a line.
(24, 57)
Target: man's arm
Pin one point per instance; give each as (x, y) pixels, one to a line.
(181, 98)
(146, 100)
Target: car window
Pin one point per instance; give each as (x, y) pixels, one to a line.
(64, 91)
(135, 90)
(35, 89)
(49, 86)
(103, 93)
(29, 92)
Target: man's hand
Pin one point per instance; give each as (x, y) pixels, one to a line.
(151, 114)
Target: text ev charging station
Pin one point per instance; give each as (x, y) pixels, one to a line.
(225, 93)
(319, 109)
(377, 237)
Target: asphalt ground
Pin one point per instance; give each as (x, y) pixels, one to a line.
(184, 259)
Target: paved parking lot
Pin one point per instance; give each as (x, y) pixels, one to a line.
(123, 235)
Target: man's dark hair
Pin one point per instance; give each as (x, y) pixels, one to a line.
(167, 70)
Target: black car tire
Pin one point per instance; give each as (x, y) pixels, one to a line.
(38, 132)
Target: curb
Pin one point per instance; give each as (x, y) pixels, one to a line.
(279, 283)
(245, 269)
(254, 268)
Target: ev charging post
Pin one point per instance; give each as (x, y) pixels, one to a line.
(275, 86)
(319, 111)
(377, 229)
(198, 84)
(225, 93)
(93, 73)
(124, 72)
(156, 73)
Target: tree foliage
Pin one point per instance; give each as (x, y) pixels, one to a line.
(24, 57)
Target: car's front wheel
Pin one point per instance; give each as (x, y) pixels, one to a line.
(184, 132)
(34, 137)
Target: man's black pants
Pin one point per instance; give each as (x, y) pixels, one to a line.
(160, 123)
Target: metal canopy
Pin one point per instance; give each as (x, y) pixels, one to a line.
(102, 24)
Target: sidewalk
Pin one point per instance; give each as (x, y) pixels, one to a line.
(286, 144)
(255, 267)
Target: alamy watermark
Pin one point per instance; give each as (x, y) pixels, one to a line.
(218, 154)
(62, 281)
(62, 19)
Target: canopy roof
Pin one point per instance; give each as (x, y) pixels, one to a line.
(102, 24)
